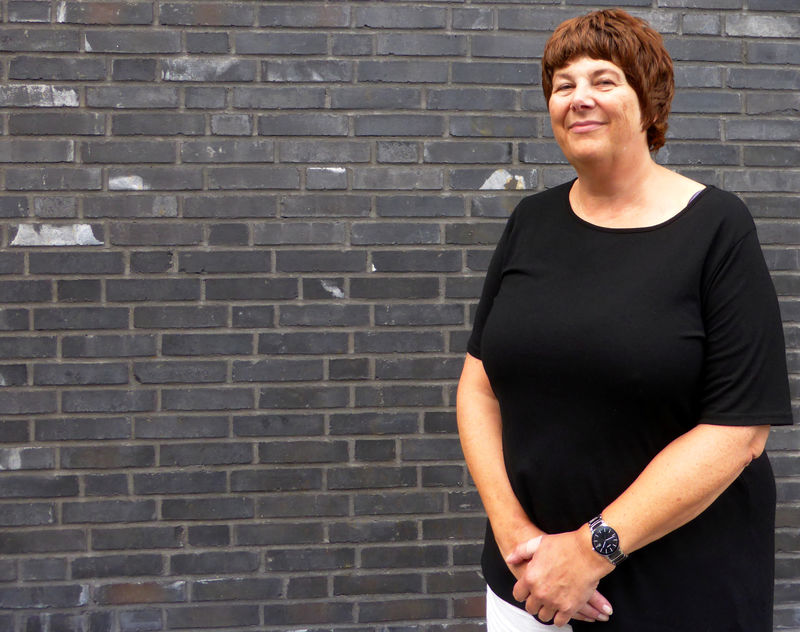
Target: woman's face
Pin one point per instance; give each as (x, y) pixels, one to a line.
(595, 112)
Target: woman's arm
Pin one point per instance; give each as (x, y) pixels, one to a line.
(676, 486)
(480, 431)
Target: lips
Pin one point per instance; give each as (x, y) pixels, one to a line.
(585, 126)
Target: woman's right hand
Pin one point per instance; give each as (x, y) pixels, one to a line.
(598, 608)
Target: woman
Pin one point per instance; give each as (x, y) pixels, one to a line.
(624, 368)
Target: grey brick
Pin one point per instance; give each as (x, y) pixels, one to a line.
(80, 374)
(258, 205)
(56, 68)
(231, 125)
(381, 287)
(420, 314)
(25, 291)
(37, 486)
(107, 457)
(38, 40)
(303, 452)
(63, 596)
(132, 41)
(44, 569)
(326, 178)
(228, 235)
(125, 69)
(302, 343)
(62, 123)
(440, 45)
(214, 562)
(179, 316)
(311, 70)
(106, 13)
(702, 24)
(36, 151)
(75, 263)
(388, 503)
(392, 396)
(179, 427)
(501, 73)
(108, 401)
(466, 153)
(134, 97)
(698, 154)
(397, 178)
(227, 151)
(14, 375)
(276, 98)
(324, 151)
(762, 129)
(698, 77)
(493, 99)
(80, 318)
(299, 233)
(398, 342)
(293, 560)
(695, 128)
(250, 289)
(13, 206)
(199, 97)
(314, 16)
(176, 371)
(27, 11)
(771, 156)
(207, 42)
(117, 566)
(232, 589)
(345, 44)
(177, 483)
(141, 592)
(321, 261)
(277, 370)
(157, 124)
(53, 179)
(372, 477)
(274, 480)
(27, 347)
(206, 70)
(155, 234)
(27, 458)
(12, 319)
(277, 425)
(375, 450)
(151, 262)
(79, 291)
(508, 46)
(708, 49)
(206, 14)
(415, 261)
(773, 53)
(132, 205)
(55, 207)
(216, 616)
(763, 78)
(302, 505)
(207, 399)
(754, 25)
(474, 18)
(303, 397)
(212, 535)
(323, 315)
(106, 485)
(386, 233)
(115, 511)
(276, 43)
(398, 151)
(302, 125)
(402, 71)
(206, 344)
(375, 97)
(762, 180)
(348, 369)
(326, 205)
(400, 17)
(128, 152)
(238, 178)
(222, 261)
(111, 346)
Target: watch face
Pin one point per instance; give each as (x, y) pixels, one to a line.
(605, 540)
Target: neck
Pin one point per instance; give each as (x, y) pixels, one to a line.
(613, 186)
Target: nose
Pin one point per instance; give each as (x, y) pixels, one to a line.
(582, 98)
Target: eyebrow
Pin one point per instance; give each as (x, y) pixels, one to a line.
(567, 75)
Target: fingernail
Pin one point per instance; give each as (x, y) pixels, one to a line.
(607, 609)
(602, 617)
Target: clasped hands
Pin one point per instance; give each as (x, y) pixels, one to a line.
(557, 578)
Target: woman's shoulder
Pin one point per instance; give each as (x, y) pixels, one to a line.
(724, 211)
(535, 207)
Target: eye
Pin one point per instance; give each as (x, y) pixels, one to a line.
(563, 86)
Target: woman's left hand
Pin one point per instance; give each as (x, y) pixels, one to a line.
(561, 575)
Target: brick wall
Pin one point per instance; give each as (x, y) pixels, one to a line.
(242, 243)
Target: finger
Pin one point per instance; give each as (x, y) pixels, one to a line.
(600, 603)
(591, 613)
(524, 551)
(560, 619)
(521, 591)
(546, 614)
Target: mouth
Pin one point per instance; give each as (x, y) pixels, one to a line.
(585, 126)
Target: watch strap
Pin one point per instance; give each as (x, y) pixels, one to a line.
(617, 556)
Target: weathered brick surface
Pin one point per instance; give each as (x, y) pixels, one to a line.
(242, 246)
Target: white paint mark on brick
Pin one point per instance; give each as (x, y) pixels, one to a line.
(83, 599)
(127, 183)
(373, 268)
(187, 69)
(332, 289)
(87, 47)
(52, 235)
(51, 96)
(502, 180)
(12, 460)
(329, 169)
(61, 15)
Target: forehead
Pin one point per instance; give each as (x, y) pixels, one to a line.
(587, 65)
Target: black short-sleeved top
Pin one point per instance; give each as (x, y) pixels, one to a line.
(602, 346)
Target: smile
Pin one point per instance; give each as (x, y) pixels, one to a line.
(585, 126)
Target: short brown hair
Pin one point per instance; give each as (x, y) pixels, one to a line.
(631, 44)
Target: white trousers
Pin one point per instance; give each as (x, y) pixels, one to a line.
(503, 617)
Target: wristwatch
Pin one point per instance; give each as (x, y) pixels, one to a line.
(606, 541)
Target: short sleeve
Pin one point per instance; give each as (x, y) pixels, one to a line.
(491, 285)
(745, 380)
